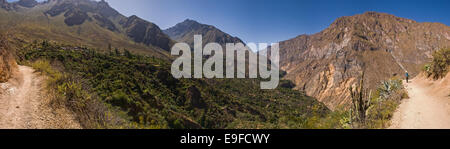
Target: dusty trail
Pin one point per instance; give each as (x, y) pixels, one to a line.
(24, 104)
(428, 106)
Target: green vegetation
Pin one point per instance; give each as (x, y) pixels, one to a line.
(67, 91)
(385, 101)
(123, 90)
(372, 110)
(440, 65)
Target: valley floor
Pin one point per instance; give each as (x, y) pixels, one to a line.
(24, 104)
(428, 106)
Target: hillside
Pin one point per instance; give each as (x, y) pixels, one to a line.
(139, 92)
(82, 22)
(327, 63)
(185, 31)
(132, 87)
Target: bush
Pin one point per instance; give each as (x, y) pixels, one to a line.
(383, 103)
(69, 92)
(439, 67)
(387, 88)
(386, 100)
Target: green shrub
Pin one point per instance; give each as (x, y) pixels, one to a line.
(387, 88)
(439, 67)
(385, 101)
(69, 92)
(44, 66)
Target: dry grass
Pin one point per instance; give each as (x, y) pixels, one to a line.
(69, 96)
(7, 62)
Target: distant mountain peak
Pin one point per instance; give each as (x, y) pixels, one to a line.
(134, 17)
(190, 24)
(15, 5)
(377, 14)
(189, 21)
(369, 18)
(185, 31)
(27, 3)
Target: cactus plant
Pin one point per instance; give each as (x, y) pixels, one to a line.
(388, 87)
(360, 101)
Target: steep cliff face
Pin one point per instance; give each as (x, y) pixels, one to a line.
(326, 64)
(7, 62)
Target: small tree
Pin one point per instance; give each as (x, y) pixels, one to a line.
(128, 54)
(117, 52)
(441, 63)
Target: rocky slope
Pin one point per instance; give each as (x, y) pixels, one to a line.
(76, 12)
(327, 63)
(185, 31)
(87, 22)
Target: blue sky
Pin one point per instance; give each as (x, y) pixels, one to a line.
(276, 20)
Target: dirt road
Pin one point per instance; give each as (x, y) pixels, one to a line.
(24, 104)
(428, 106)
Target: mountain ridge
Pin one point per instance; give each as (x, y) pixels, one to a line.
(185, 31)
(88, 22)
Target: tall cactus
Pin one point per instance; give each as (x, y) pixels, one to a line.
(360, 101)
